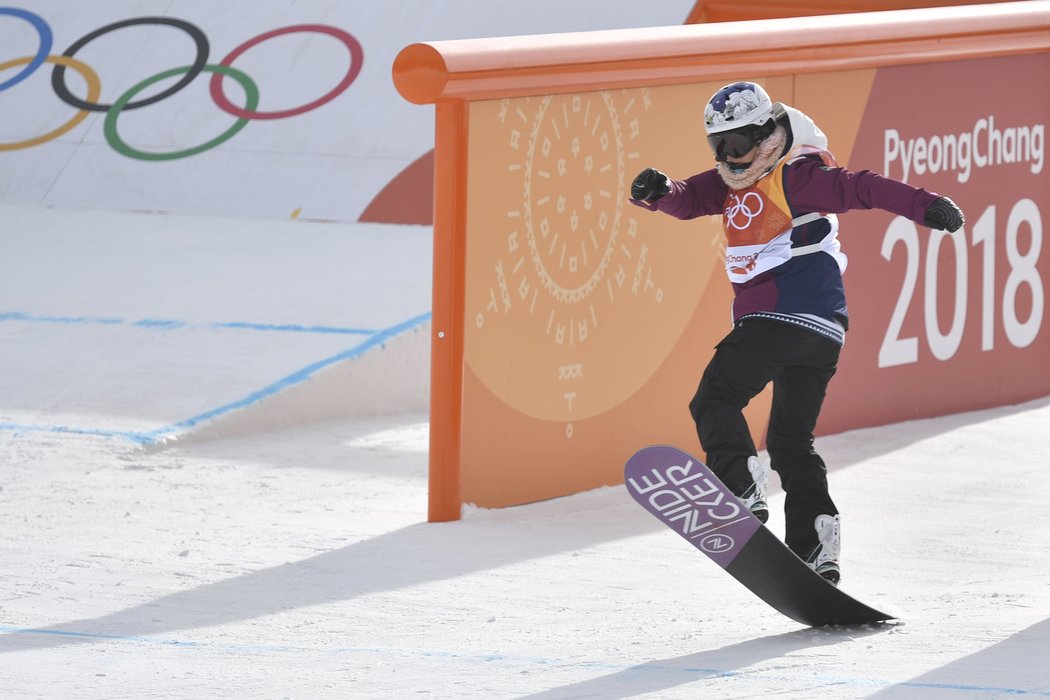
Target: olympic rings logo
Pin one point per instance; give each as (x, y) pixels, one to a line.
(741, 207)
(125, 102)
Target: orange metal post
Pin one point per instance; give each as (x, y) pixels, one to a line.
(446, 361)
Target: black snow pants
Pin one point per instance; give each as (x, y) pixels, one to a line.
(800, 363)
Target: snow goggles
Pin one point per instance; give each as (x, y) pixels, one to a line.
(739, 142)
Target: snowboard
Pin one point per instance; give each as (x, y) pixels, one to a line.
(686, 496)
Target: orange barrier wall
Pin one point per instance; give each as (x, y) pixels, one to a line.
(570, 327)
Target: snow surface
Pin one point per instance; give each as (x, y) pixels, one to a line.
(296, 561)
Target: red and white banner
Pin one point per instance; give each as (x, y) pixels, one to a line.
(945, 322)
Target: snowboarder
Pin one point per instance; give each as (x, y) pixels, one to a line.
(778, 188)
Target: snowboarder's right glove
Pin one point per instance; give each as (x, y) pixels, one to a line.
(944, 214)
(650, 185)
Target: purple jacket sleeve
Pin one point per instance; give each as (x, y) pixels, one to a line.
(813, 187)
(699, 195)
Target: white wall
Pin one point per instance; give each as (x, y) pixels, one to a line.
(324, 164)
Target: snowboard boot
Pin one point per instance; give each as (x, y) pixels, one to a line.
(755, 495)
(825, 556)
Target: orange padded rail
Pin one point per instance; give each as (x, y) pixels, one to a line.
(734, 10)
(528, 65)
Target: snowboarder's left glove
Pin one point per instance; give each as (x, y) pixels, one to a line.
(650, 185)
(944, 214)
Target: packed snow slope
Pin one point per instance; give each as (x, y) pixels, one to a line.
(147, 327)
(279, 547)
(298, 564)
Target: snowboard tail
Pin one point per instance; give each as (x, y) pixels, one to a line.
(684, 494)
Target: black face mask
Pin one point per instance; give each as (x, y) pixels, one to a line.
(737, 167)
(739, 142)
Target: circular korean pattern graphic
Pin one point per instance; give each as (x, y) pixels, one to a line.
(567, 315)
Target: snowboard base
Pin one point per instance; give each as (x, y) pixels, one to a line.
(684, 494)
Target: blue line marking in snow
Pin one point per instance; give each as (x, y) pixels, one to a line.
(95, 635)
(19, 316)
(159, 323)
(375, 339)
(292, 328)
(173, 324)
(700, 673)
(94, 432)
(291, 380)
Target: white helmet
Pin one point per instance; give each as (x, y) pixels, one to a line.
(736, 105)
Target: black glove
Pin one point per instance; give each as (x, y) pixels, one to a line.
(945, 214)
(650, 185)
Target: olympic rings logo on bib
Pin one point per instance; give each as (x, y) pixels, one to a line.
(224, 68)
(743, 207)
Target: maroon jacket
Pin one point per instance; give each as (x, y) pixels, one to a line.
(807, 284)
